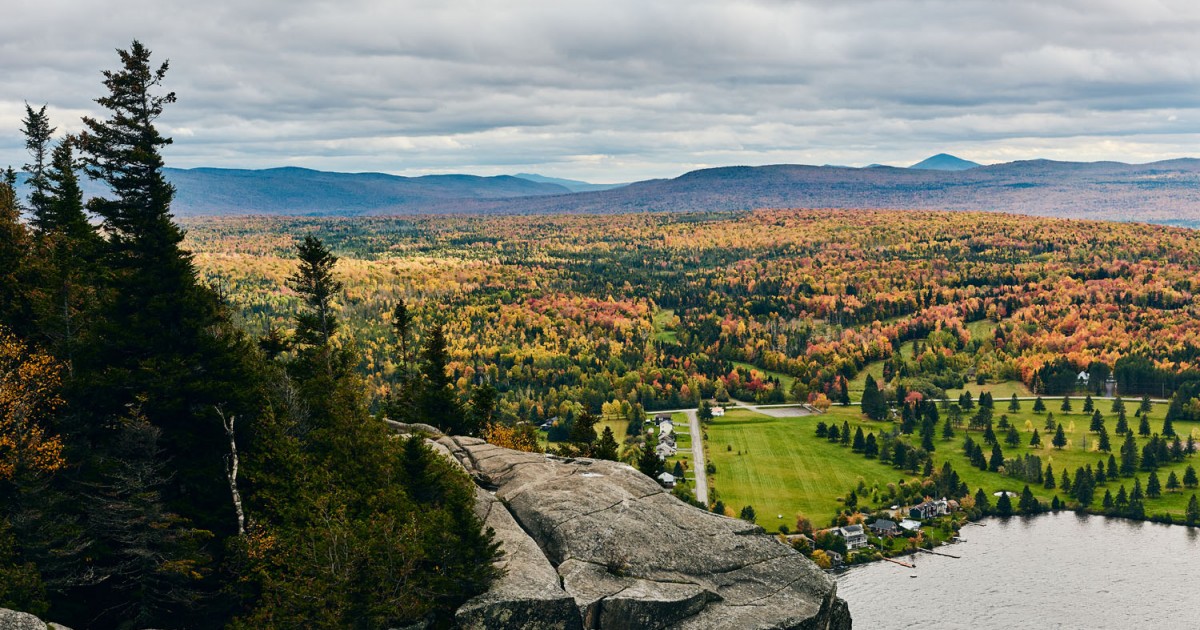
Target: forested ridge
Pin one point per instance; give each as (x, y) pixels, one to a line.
(159, 467)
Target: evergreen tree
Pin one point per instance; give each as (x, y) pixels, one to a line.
(1192, 516)
(1172, 482)
(606, 448)
(748, 514)
(981, 501)
(1129, 456)
(315, 284)
(873, 404)
(1105, 445)
(1028, 504)
(481, 412)
(1013, 437)
(1066, 404)
(437, 401)
(844, 434)
(997, 459)
(947, 430)
(1088, 406)
(1004, 505)
(1097, 422)
(1189, 478)
(16, 311)
(650, 464)
(38, 134)
(1118, 405)
(1060, 438)
(583, 431)
(1144, 427)
(1107, 503)
(859, 441)
(1048, 478)
(1038, 405)
(1036, 440)
(1122, 425)
(1014, 405)
(1153, 486)
(1168, 429)
(871, 447)
(161, 341)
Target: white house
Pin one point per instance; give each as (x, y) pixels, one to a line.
(718, 412)
(667, 479)
(854, 535)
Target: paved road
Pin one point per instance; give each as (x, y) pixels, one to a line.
(699, 465)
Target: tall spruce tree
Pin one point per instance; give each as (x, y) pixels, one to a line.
(38, 133)
(437, 402)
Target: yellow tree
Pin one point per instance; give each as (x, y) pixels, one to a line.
(29, 384)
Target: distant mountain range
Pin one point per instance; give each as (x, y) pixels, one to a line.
(1165, 192)
(945, 162)
(572, 185)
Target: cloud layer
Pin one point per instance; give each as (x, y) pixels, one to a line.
(620, 90)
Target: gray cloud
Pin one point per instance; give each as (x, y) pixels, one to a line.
(622, 89)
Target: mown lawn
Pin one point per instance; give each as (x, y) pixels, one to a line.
(779, 466)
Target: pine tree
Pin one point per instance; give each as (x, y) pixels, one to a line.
(1097, 422)
(437, 401)
(1168, 429)
(1066, 405)
(1189, 478)
(996, 461)
(481, 411)
(947, 430)
(1144, 427)
(747, 514)
(38, 133)
(1129, 456)
(1088, 406)
(1004, 505)
(606, 448)
(1036, 440)
(1172, 482)
(161, 339)
(1153, 486)
(1028, 504)
(981, 501)
(315, 284)
(1060, 438)
(1105, 445)
(1192, 516)
(859, 441)
(873, 404)
(1038, 405)
(1013, 437)
(1014, 405)
(1048, 478)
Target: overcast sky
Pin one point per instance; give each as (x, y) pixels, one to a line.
(621, 90)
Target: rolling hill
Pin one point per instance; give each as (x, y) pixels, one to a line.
(1165, 192)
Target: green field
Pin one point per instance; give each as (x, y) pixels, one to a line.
(779, 466)
(1000, 392)
(662, 326)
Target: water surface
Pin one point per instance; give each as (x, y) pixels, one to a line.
(1051, 571)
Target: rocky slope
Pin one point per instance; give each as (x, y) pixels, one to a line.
(596, 544)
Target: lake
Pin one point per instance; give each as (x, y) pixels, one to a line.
(1050, 571)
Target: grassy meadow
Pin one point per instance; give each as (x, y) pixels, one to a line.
(779, 466)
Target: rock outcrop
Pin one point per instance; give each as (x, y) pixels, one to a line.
(596, 544)
(13, 620)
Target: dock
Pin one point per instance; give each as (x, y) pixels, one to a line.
(903, 564)
(938, 553)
